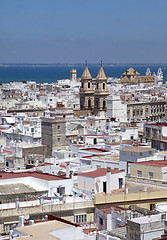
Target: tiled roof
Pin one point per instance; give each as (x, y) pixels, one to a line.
(94, 150)
(146, 79)
(101, 74)
(86, 74)
(153, 163)
(108, 211)
(130, 72)
(124, 80)
(43, 176)
(99, 173)
(157, 124)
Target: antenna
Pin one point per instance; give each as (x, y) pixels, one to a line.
(86, 62)
(101, 63)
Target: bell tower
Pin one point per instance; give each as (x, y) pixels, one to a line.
(101, 92)
(86, 91)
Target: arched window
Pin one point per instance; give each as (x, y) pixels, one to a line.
(89, 103)
(104, 104)
(88, 84)
(103, 86)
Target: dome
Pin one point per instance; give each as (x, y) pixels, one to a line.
(59, 101)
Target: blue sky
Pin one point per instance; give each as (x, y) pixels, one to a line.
(72, 31)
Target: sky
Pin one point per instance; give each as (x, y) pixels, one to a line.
(72, 31)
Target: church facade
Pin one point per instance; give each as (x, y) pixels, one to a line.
(93, 98)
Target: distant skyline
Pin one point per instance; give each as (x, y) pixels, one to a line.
(115, 31)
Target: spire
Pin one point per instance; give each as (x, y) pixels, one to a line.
(101, 73)
(86, 74)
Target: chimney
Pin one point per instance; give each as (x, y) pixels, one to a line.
(67, 170)
(17, 203)
(21, 221)
(108, 180)
(71, 174)
(31, 222)
(10, 234)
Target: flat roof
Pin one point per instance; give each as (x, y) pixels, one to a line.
(137, 149)
(15, 189)
(99, 173)
(35, 174)
(42, 230)
(107, 209)
(153, 163)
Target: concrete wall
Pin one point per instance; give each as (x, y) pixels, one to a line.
(157, 172)
(42, 150)
(66, 210)
(133, 156)
(96, 163)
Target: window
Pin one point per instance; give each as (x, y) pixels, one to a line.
(89, 103)
(103, 86)
(101, 221)
(80, 218)
(82, 85)
(97, 86)
(141, 154)
(58, 127)
(58, 139)
(98, 166)
(152, 206)
(104, 104)
(94, 141)
(120, 183)
(104, 187)
(139, 173)
(151, 175)
(61, 190)
(88, 84)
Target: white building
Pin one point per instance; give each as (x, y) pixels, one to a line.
(97, 122)
(116, 109)
(133, 154)
(40, 181)
(101, 180)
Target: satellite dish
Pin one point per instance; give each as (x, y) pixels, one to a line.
(26, 216)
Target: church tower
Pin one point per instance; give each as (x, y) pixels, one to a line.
(101, 92)
(86, 91)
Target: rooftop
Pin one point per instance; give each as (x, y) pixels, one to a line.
(157, 124)
(94, 150)
(15, 189)
(35, 174)
(99, 173)
(130, 72)
(153, 163)
(137, 149)
(42, 230)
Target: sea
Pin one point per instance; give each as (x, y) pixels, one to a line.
(52, 73)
